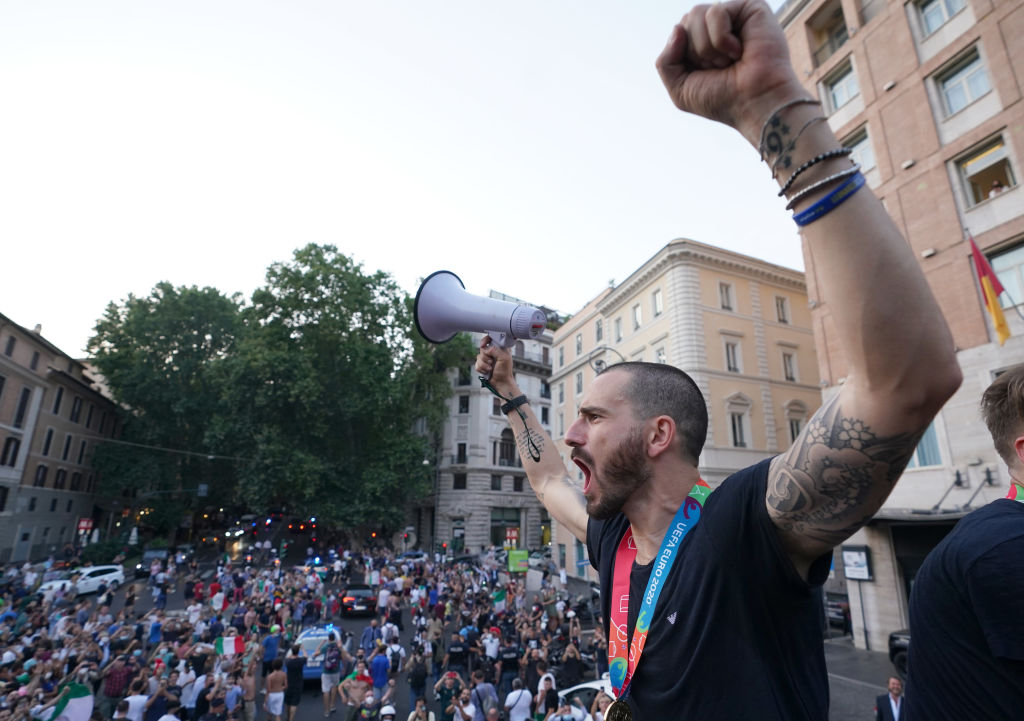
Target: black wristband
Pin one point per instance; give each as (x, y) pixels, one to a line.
(507, 408)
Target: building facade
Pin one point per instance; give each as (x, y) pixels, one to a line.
(51, 417)
(482, 497)
(928, 95)
(740, 327)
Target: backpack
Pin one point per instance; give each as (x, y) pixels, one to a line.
(395, 653)
(332, 659)
(418, 675)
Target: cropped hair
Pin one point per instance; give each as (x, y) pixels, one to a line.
(658, 389)
(1002, 407)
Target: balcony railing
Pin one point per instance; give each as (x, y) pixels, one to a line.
(837, 38)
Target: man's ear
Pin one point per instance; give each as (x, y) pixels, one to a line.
(661, 435)
(1018, 448)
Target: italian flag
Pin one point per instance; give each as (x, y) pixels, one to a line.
(75, 704)
(230, 645)
(499, 600)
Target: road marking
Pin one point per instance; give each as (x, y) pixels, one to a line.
(853, 680)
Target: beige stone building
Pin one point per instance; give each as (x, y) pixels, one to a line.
(739, 326)
(928, 94)
(51, 418)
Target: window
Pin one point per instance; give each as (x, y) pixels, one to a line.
(725, 296)
(545, 389)
(659, 356)
(76, 482)
(458, 481)
(517, 484)
(47, 441)
(618, 329)
(927, 451)
(60, 479)
(463, 404)
(460, 453)
(637, 316)
(9, 348)
(507, 449)
(19, 414)
(465, 377)
(842, 87)
(739, 438)
(863, 153)
(76, 409)
(561, 392)
(88, 416)
(67, 447)
(56, 401)
(40, 479)
(9, 457)
(795, 426)
(936, 13)
(496, 407)
(81, 453)
(544, 415)
(67, 509)
(561, 424)
(3, 499)
(598, 330)
(35, 361)
(657, 303)
(732, 356)
(1009, 267)
(579, 383)
(103, 421)
(782, 309)
(495, 482)
(561, 356)
(579, 344)
(789, 366)
(985, 172)
(3, 382)
(964, 83)
(31, 505)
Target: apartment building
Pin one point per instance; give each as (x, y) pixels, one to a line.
(52, 416)
(741, 327)
(928, 95)
(482, 496)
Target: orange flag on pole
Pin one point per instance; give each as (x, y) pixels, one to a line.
(990, 288)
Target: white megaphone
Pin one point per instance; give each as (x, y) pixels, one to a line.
(443, 308)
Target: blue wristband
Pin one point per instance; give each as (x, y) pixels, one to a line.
(831, 201)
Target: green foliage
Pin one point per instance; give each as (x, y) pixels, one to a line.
(319, 389)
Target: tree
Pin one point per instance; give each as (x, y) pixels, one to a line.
(156, 353)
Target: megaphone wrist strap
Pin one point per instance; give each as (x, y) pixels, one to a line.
(506, 408)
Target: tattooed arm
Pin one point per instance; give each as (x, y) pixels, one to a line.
(544, 466)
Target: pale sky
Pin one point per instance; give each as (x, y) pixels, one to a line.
(527, 147)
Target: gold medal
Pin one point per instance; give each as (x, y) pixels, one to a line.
(618, 711)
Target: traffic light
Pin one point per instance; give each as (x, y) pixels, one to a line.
(405, 537)
(373, 534)
(444, 545)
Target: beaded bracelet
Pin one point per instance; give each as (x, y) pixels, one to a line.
(821, 184)
(831, 201)
(771, 117)
(837, 152)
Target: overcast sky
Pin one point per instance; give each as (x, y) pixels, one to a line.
(527, 147)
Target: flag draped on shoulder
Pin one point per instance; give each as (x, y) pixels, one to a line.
(500, 600)
(230, 645)
(991, 289)
(75, 704)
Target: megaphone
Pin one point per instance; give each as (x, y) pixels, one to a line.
(443, 308)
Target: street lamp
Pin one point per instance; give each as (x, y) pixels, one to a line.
(599, 364)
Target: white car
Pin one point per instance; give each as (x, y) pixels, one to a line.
(91, 577)
(57, 580)
(586, 692)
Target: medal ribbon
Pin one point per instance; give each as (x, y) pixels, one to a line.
(1016, 493)
(623, 665)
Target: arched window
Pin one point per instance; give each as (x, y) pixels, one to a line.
(507, 448)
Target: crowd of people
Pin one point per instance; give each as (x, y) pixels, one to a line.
(232, 652)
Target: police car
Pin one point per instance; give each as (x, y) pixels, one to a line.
(310, 640)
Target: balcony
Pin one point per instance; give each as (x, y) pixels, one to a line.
(510, 462)
(869, 9)
(836, 39)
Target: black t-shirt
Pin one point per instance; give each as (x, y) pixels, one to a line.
(293, 668)
(967, 641)
(457, 652)
(733, 601)
(509, 657)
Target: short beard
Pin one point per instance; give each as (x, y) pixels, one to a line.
(625, 471)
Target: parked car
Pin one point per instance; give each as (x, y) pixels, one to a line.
(413, 556)
(58, 580)
(586, 691)
(90, 578)
(184, 553)
(142, 567)
(359, 599)
(899, 647)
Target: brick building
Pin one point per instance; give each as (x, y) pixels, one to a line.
(928, 94)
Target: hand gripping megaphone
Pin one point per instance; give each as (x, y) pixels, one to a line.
(443, 308)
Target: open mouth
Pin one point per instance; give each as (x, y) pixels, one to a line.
(583, 466)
